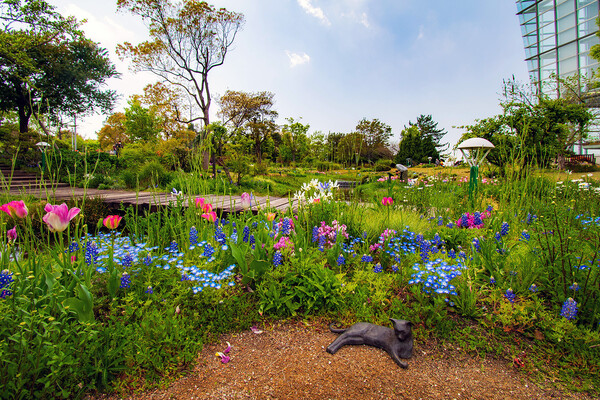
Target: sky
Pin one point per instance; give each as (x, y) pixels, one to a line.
(331, 63)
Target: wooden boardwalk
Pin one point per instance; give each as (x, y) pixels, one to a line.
(152, 200)
(21, 183)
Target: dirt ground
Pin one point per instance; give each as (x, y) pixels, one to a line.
(289, 361)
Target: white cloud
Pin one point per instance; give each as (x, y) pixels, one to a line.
(364, 19)
(297, 58)
(316, 12)
(421, 34)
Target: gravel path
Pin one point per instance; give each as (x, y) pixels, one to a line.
(289, 361)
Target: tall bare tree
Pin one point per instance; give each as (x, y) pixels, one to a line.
(188, 40)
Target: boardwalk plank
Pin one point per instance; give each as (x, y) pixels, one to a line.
(221, 203)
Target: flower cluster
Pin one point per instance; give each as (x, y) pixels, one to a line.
(472, 221)
(283, 243)
(569, 309)
(436, 277)
(316, 192)
(207, 209)
(385, 178)
(510, 295)
(6, 278)
(328, 234)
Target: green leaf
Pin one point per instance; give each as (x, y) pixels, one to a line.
(83, 305)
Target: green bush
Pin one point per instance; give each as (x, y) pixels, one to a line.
(323, 166)
(153, 173)
(305, 289)
(383, 165)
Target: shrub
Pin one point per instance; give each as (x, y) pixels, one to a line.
(383, 165)
(153, 173)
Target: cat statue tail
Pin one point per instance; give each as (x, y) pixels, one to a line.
(334, 330)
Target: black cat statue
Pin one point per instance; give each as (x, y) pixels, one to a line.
(397, 342)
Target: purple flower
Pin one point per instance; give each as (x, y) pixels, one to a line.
(277, 258)
(569, 309)
(125, 281)
(504, 229)
(510, 295)
(533, 288)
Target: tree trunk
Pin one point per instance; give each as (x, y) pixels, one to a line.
(24, 110)
(23, 119)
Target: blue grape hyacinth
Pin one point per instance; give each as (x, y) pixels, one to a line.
(569, 309)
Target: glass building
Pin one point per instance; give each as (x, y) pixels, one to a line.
(558, 35)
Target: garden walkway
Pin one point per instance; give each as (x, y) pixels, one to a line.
(29, 184)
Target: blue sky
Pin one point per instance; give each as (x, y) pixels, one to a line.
(334, 62)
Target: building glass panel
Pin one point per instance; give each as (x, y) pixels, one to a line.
(547, 17)
(547, 31)
(565, 8)
(564, 43)
(545, 5)
(567, 36)
(566, 22)
(587, 27)
(568, 66)
(522, 5)
(583, 3)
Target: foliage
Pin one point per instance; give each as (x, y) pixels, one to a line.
(49, 66)
(188, 280)
(295, 141)
(429, 129)
(376, 136)
(416, 146)
(141, 124)
(532, 130)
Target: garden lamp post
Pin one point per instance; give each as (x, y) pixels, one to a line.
(475, 150)
(42, 146)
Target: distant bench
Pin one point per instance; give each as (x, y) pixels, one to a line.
(590, 158)
(347, 184)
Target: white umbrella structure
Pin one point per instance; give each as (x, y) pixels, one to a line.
(475, 150)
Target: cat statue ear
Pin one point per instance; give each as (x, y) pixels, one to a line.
(400, 323)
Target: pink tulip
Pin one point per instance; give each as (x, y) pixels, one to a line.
(199, 202)
(12, 234)
(112, 221)
(210, 216)
(246, 200)
(15, 209)
(58, 217)
(387, 201)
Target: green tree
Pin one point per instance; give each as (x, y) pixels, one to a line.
(416, 146)
(351, 148)
(429, 128)
(294, 141)
(376, 136)
(141, 124)
(47, 66)
(533, 130)
(250, 114)
(332, 141)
